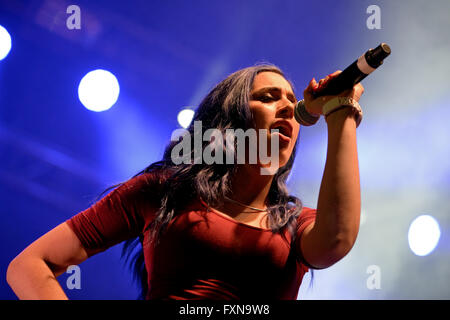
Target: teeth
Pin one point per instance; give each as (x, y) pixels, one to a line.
(282, 130)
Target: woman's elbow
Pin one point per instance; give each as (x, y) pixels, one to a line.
(335, 252)
(11, 271)
(340, 249)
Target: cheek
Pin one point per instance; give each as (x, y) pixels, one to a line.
(296, 132)
(262, 116)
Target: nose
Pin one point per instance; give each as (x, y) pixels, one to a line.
(286, 109)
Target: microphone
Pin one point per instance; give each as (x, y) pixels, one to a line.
(353, 74)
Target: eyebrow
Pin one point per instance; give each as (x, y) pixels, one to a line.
(290, 95)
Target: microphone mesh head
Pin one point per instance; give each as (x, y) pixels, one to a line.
(375, 57)
(386, 48)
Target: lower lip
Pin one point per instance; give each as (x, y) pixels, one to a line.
(283, 138)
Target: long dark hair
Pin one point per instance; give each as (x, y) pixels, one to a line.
(225, 107)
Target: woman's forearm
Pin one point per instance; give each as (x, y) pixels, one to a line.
(31, 279)
(339, 203)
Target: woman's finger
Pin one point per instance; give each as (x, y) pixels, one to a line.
(331, 76)
(311, 87)
(334, 74)
(358, 91)
(314, 104)
(315, 84)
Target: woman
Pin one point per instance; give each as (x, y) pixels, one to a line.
(218, 231)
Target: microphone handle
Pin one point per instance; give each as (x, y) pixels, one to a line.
(344, 81)
(357, 71)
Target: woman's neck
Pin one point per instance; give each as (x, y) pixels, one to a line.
(250, 187)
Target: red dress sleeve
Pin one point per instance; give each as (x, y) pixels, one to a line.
(120, 215)
(306, 217)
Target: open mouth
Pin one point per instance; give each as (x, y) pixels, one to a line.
(284, 129)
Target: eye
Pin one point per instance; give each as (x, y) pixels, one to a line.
(265, 98)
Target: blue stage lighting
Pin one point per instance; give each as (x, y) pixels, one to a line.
(185, 117)
(98, 90)
(423, 235)
(5, 43)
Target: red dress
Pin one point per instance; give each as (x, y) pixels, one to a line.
(203, 254)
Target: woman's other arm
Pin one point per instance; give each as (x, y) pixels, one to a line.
(32, 274)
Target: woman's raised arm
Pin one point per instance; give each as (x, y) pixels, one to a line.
(335, 229)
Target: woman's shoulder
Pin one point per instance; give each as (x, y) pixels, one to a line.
(304, 210)
(153, 178)
(308, 210)
(305, 214)
(142, 192)
(143, 186)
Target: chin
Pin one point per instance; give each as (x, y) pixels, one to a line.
(282, 162)
(284, 157)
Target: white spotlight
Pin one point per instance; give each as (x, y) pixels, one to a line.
(98, 90)
(5, 43)
(185, 117)
(423, 235)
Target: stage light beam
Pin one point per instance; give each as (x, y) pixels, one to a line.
(185, 117)
(98, 90)
(5, 43)
(423, 235)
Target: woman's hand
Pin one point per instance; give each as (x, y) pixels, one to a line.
(315, 105)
